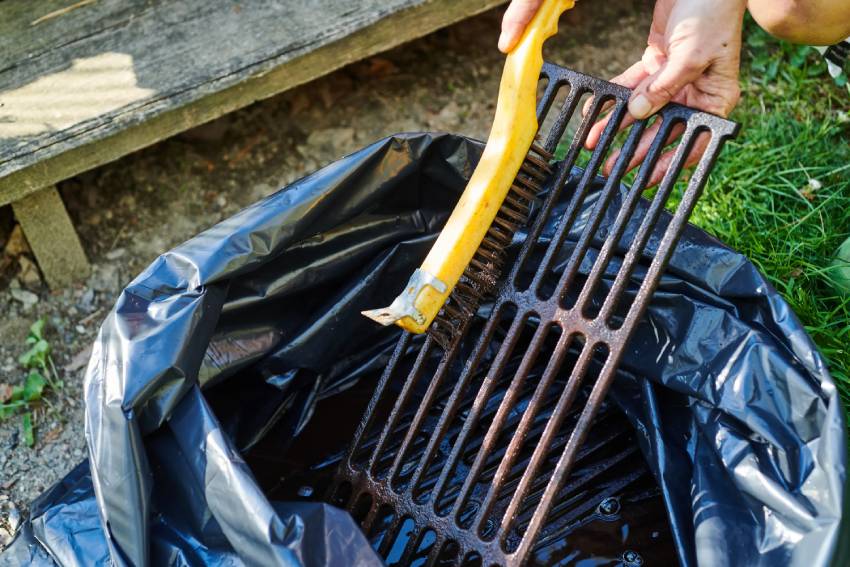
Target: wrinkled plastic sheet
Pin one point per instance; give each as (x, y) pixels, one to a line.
(735, 410)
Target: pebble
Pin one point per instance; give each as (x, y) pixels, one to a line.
(86, 302)
(28, 273)
(27, 298)
(116, 253)
(10, 519)
(105, 278)
(330, 140)
(80, 329)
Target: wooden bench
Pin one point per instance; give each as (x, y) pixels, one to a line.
(84, 82)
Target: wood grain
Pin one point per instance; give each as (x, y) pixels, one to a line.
(139, 71)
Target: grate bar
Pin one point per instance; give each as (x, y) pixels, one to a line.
(401, 401)
(565, 401)
(552, 368)
(589, 173)
(623, 217)
(505, 406)
(398, 353)
(423, 409)
(455, 398)
(611, 186)
(499, 363)
(636, 249)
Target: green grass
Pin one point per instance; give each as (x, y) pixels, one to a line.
(780, 193)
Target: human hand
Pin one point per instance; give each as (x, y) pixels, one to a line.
(692, 58)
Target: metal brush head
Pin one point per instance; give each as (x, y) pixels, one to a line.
(481, 276)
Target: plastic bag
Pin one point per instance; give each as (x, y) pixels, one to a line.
(245, 327)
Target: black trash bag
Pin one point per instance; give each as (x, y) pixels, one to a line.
(244, 328)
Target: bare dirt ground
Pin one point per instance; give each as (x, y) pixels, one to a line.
(130, 211)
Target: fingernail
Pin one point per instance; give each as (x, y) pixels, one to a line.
(503, 43)
(640, 107)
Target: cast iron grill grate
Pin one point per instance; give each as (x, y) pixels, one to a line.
(499, 444)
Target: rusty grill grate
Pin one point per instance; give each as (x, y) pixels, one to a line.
(483, 453)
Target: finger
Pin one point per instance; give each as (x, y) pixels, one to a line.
(629, 78)
(599, 127)
(640, 152)
(697, 150)
(647, 139)
(658, 89)
(643, 146)
(517, 17)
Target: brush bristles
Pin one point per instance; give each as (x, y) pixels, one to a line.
(482, 274)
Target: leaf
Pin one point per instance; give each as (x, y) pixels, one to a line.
(26, 422)
(34, 386)
(42, 348)
(37, 329)
(773, 69)
(26, 358)
(17, 393)
(37, 355)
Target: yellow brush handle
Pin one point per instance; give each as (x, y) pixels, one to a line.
(511, 136)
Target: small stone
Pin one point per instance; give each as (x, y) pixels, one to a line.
(116, 253)
(28, 274)
(10, 520)
(26, 298)
(86, 302)
(331, 140)
(105, 278)
(127, 202)
(448, 116)
(221, 201)
(80, 329)
(17, 242)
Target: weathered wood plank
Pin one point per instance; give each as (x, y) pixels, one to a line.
(169, 66)
(51, 237)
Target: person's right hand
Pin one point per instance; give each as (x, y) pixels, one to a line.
(692, 57)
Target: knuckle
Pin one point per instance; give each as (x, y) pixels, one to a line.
(660, 89)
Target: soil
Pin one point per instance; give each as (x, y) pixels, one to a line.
(132, 210)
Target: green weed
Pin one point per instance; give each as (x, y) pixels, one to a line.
(40, 374)
(780, 193)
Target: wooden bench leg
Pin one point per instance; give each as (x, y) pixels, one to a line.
(52, 237)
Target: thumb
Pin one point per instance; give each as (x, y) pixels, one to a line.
(517, 17)
(662, 86)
